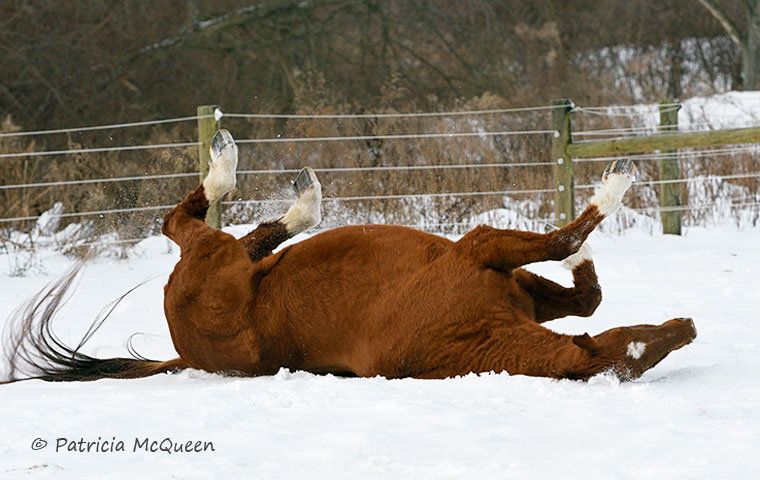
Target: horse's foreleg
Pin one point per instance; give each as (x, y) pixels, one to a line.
(305, 213)
(184, 222)
(508, 249)
(554, 301)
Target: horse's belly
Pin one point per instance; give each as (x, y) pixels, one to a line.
(365, 309)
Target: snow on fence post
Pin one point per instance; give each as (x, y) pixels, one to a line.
(207, 127)
(562, 169)
(670, 193)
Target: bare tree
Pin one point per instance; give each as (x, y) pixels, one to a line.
(748, 40)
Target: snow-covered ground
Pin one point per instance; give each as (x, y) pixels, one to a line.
(715, 112)
(696, 415)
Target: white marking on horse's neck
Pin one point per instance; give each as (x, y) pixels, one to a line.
(636, 349)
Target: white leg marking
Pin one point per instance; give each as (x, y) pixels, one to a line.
(578, 257)
(306, 212)
(609, 196)
(636, 349)
(221, 175)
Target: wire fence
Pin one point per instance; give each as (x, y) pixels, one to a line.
(610, 111)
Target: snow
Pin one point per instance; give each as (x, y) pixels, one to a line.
(727, 110)
(722, 111)
(695, 415)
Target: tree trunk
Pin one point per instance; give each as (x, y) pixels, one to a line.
(751, 48)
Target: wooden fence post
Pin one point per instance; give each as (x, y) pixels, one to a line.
(207, 127)
(670, 193)
(564, 182)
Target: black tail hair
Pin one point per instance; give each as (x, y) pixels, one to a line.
(33, 351)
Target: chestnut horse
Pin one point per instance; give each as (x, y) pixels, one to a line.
(368, 300)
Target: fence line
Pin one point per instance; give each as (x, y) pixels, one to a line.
(100, 149)
(674, 107)
(655, 156)
(437, 226)
(402, 136)
(88, 214)
(276, 172)
(218, 114)
(401, 196)
(270, 201)
(360, 137)
(282, 140)
(683, 208)
(621, 107)
(98, 180)
(629, 131)
(391, 197)
(682, 180)
(625, 136)
(668, 107)
(712, 152)
(387, 115)
(102, 127)
(399, 167)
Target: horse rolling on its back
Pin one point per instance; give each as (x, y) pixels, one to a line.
(368, 300)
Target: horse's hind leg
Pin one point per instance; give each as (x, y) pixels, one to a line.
(508, 249)
(185, 222)
(554, 301)
(302, 215)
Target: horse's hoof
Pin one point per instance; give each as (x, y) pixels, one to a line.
(306, 212)
(221, 139)
(623, 166)
(221, 174)
(305, 178)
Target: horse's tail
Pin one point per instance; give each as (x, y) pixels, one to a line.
(33, 351)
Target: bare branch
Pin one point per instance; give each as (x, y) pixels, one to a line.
(210, 25)
(729, 25)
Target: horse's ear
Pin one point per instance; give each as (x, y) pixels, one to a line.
(587, 343)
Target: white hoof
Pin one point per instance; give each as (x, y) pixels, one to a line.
(306, 212)
(617, 179)
(224, 159)
(578, 257)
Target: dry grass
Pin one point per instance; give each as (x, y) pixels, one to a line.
(509, 150)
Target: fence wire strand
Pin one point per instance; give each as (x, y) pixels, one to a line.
(396, 167)
(681, 153)
(402, 136)
(391, 114)
(604, 111)
(633, 131)
(99, 180)
(100, 150)
(103, 127)
(699, 179)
